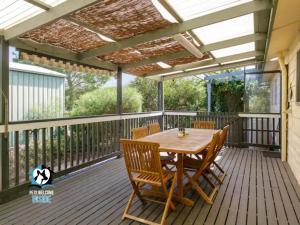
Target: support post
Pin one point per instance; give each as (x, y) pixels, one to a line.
(160, 102)
(283, 108)
(119, 107)
(208, 87)
(4, 83)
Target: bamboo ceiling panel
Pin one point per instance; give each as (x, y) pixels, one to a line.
(120, 19)
(65, 34)
(141, 70)
(185, 60)
(143, 51)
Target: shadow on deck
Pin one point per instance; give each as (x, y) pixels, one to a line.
(258, 190)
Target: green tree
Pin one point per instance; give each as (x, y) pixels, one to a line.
(148, 89)
(78, 83)
(258, 96)
(185, 94)
(103, 101)
(227, 95)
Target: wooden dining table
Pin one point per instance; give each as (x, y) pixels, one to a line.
(194, 142)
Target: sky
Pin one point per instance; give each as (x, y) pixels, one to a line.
(127, 79)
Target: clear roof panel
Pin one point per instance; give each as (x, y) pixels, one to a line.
(194, 8)
(13, 12)
(234, 50)
(225, 30)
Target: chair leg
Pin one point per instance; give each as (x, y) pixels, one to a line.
(128, 205)
(221, 178)
(169, 202)
(208, 180)
(199, 190)
(137, 192)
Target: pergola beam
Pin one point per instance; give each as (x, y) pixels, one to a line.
(210, 47)
(55, 52)
(39, 4)
(43, 18)
(190, 47)
(173, 29)
(207, 63)
(211, 69)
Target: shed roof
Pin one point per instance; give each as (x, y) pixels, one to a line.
(34, 69)
(137, 34)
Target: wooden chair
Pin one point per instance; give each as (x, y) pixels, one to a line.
(199, 124)
(220, 146)
(139, 132)
(199, 167)
(154, 128)
(165, 159)
(143, 165)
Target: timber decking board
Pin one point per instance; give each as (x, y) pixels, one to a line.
(257, 190)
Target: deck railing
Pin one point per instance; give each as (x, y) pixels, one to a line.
(67, 145)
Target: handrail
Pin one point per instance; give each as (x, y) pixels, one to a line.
(171, 113)
(31, 125)
(260, 115)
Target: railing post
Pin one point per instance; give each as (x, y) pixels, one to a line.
(119, 107)
(4, 85)
(208, 87)
(160, 102)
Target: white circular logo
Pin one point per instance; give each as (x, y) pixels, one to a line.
(41, 176)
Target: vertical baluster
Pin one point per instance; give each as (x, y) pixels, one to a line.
(83, 137)
(27, 155)
(268, 130)
(262, 131)
(93, 140)
(256, 130)
(88, 141)
(77, 144)
(58, 148)
(35, 147)
(51, 148)
(71, 145)
(44, 146)
(65, 147)
(102, 138)
(273, 131)
(17, 161)
(98, 139)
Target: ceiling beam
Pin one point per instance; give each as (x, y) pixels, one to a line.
(46, 17)
(86, 26)
(184, 42)
(207, 63)
(173, 29)
(210, 47)
(211, 69)
(39, 4)
(55, 52)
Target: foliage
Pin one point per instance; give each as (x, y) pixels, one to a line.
(258, 97)
(52, 110)
(185, 94)
(103, 101)
(78, 83)
(179, 94)
(148, 89)
(227, 95)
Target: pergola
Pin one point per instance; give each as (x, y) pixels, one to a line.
(159, 39)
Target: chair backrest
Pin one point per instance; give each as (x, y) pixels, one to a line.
(223, 137)
(139, 132)
(199, 124)
(154, 128)
(210, 156)
(141, 157)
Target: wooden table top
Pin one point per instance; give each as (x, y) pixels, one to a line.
(196, 140)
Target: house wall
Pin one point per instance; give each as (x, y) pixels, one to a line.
(293, 137)
(35, 96)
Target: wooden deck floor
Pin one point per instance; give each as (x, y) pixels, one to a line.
(258, 190)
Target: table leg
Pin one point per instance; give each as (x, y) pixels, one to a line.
(179, 195)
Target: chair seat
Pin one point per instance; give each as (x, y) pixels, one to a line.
(167, 157)
(191, 163)
(153, 178)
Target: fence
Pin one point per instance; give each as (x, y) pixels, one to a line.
(67, 145)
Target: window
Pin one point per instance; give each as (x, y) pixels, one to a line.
(298, 78)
